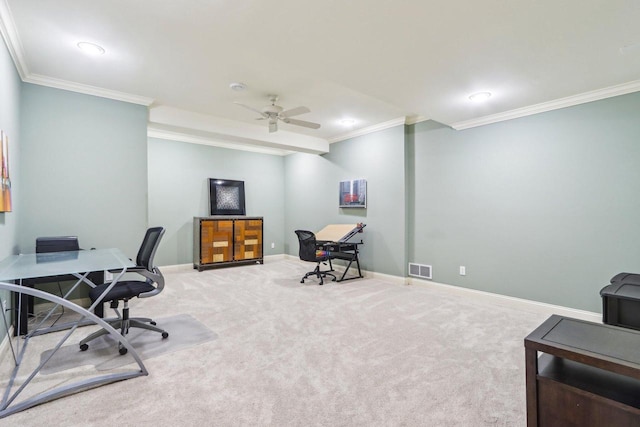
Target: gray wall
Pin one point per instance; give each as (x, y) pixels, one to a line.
(311, 195)
(85, 172)
(10, 87)
(544, 207)
(178, 191)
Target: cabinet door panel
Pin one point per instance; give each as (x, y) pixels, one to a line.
(216, 241)
(248, 239)
(206, 240)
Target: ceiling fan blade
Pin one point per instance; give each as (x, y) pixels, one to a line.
(301, 123)
(255, 110)
(294, 112)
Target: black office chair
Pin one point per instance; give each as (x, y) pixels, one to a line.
(308, 252)
(127, 289)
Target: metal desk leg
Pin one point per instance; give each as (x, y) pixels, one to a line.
(6, 407)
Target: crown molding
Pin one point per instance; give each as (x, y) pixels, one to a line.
(14, 46)
(157, 131)
(87, 89)
(569, 101)
(11, 39)
(412, 120)
(369, 129)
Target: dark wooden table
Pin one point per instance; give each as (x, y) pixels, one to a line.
(580, 373)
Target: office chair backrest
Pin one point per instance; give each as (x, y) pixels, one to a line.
(57, 244)
(149, 246)
(307, 242)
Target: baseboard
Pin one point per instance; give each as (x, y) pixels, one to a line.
(182, 267)
(503, 300)
(175, 268)
(46, 306)
(512, 302)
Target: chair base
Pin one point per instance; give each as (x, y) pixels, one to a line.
(123, 325)
(319, 274)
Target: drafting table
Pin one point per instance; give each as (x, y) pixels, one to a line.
(80, 264)
(335, 240)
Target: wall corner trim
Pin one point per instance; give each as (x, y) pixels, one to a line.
(87, 89)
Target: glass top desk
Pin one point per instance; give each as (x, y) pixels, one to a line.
(75, 263)
(79, 264)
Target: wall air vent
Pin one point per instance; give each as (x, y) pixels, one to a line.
(420, 270)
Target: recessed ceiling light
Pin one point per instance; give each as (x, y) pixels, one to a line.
(237, 86)
(91, 48)
(347, 122)
(480, 96)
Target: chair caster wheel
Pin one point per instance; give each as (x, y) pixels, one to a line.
(122, 350)
(302, 281)
(152, 323)
(165, 335)
(84, 347)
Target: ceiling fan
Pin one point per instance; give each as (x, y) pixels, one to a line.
(274, 112)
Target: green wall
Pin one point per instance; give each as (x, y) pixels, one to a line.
(178, 191)
(311, 196)
(85, 172)
(543, 207)
(10, 88)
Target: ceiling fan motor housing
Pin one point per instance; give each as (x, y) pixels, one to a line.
(272, 109)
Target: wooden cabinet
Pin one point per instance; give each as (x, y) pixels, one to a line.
(582, 374)
(222, 240)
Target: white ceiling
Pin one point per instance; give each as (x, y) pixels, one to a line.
(376, 61)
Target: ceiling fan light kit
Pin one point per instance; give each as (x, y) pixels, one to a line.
(274, 112)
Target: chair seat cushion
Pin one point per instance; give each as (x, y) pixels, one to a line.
(122, 290)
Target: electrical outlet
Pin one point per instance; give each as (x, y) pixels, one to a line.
(273, 245)
(463, 270)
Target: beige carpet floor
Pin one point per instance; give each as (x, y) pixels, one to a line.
(365, 352)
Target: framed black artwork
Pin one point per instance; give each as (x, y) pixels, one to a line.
(226, 197)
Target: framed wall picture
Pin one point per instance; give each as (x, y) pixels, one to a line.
(226, 197)
(353, 193)
(5, 180)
